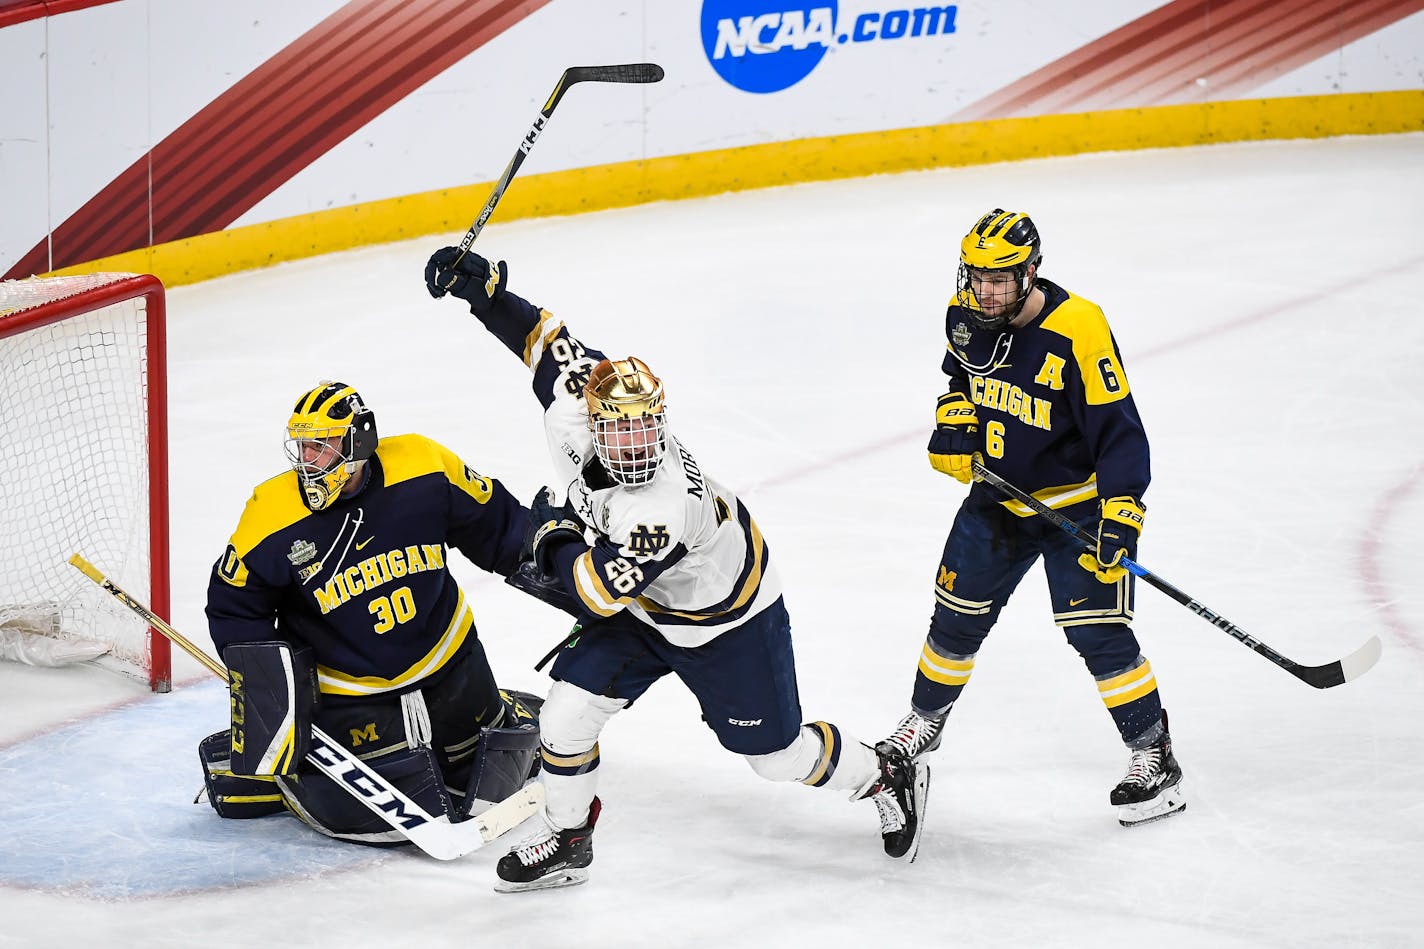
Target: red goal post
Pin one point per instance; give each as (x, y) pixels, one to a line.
(84, 468)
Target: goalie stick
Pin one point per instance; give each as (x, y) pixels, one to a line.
(1330, 674)
(628, 73)
(437, 836)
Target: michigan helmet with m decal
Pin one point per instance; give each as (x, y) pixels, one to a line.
(330, 434)
(1000, 243)
(625, 414)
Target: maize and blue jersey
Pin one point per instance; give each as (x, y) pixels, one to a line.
(1056, 414)
(365, 582)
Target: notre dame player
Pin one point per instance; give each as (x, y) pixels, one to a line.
(333, 603)
(1036, 384)
(674, 577)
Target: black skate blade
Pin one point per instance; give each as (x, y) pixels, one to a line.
(551, 881)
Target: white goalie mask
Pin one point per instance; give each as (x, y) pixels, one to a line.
(625, 415)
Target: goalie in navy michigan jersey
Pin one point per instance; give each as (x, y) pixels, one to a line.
(673, 577)
(1037, 390)
(333, 604)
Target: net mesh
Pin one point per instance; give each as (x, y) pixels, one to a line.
(74, 470)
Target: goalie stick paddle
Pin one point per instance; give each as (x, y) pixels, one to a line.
(437, 836)
(626, 73)
(1331, 674)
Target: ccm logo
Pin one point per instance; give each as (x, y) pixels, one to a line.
(745, 723)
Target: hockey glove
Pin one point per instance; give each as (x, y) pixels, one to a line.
(549, 526)
(955, 438)
(1119, 526)
(466, 275)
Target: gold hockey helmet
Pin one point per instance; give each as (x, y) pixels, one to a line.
(1001, 245)
(330, 435)
(625, 415)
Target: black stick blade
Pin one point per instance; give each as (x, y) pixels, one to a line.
(627, 72)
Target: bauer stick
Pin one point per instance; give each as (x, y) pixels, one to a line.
(630, 72)
(437, 836)
(1331, 674)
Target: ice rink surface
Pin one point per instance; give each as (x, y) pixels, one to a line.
(1265, 298)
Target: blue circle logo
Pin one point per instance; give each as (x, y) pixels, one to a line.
(761, 46)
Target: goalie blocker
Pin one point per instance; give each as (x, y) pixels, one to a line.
(256, 768)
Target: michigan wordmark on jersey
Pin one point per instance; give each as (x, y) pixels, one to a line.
(1056, 412)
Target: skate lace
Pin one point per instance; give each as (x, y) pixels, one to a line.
(913, 733)
(892, 818)
(1144, 767)
(537, 850)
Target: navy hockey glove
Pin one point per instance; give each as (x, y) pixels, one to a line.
(466, 275)
(549, 526)
(955, 438)
(1119, 526)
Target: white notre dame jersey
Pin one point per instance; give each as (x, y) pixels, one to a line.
(681, 551)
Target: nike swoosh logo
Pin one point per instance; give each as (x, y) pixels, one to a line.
(1070, 602)
(361, 545)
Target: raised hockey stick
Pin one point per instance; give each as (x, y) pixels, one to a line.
(1331, 674)
(436, 836)
(629, 72)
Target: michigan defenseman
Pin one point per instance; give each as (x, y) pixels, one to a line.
(677, 580)
(1036, 385)
(333, 603)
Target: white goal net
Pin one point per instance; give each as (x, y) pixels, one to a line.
(83, 469)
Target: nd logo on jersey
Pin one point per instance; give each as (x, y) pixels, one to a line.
(770, 45)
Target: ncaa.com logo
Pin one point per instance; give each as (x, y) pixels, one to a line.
(770, 45)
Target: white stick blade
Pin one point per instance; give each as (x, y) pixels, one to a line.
(1362, 660)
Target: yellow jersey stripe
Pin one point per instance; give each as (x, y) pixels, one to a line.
(539, 338)
(960, 605)
(828, 744)
(333, 682)
(570, 761)
(945, 671)
(1058, 496)
(590, 588)
(1131, 685)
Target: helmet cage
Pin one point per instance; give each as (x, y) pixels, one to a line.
(332, 419)
(1000, 242)
(626, 419)
(968, 301)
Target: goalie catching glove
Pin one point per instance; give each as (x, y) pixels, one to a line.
(955, 438)
(466, 275)
(1119, 526)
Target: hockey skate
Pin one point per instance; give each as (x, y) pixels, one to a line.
(915, 735)
(1152, 787)
(549, 858)
(900, 793)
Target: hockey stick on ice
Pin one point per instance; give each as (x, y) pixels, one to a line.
(1331, 674)
(630, 72)
(436, 836)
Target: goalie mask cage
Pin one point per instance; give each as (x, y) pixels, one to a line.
(84, 467)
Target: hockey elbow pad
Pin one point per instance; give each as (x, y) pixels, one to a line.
(273, 693)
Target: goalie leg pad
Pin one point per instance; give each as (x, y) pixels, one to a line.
(232, 795)
(273, 689)
(332, 810)
(504, 759)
